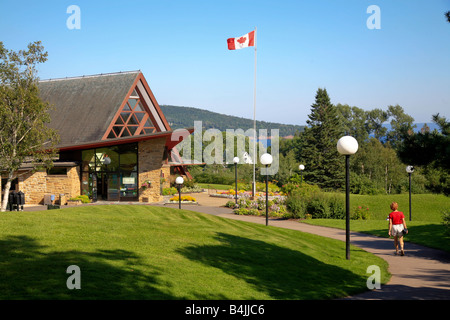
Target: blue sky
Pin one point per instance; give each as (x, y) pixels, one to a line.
(181, 48)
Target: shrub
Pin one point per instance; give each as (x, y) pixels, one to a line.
(253, 212)
(318, 207)
(244, 203)
(230, 204)
(241, 211)
(337, 207)
(296, 205)
(360, 213)
(169, 191)
(83, 198)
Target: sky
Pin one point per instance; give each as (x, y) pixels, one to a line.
(181, 48)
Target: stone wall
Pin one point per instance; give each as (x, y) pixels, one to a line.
(150, 157)
(36, 185)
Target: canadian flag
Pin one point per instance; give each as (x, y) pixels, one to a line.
(247, 40)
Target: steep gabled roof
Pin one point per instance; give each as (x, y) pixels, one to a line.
(86, 108)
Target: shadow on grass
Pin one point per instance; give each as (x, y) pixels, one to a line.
(280, 272)
(29, 271)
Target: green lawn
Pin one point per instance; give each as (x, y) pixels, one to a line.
(215, 186)
(145, 252)
(424, 207)
(425, 227)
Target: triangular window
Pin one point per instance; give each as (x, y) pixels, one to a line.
(132, 119)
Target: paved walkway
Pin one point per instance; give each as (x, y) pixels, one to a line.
(422, 274)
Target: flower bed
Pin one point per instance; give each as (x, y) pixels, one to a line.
(184, 199)
(257, 207)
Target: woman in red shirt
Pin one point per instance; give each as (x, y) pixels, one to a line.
(396, 226)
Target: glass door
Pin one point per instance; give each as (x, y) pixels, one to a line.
(113, 187)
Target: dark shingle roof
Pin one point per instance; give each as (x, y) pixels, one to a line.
(85, 106)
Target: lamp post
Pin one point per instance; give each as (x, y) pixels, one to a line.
(301, 167)
(179, 181)
(347, 146)
(235, 161)
(409, 169)
(266, 159)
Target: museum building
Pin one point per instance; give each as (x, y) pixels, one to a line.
(115, 142)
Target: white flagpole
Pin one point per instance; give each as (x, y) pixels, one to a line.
(255, 157)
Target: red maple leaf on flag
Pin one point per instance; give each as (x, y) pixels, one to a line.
(241, 40)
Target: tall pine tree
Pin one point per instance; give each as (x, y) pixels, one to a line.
(323, 164)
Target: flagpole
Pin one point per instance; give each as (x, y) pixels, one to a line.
(255, 157)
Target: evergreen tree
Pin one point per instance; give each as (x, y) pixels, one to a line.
(325, 166)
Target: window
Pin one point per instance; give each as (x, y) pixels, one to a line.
(131, 120)
(57, 171)
(110, 173)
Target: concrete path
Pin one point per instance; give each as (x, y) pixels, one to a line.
(422, 274)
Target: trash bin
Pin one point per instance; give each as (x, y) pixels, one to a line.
(20, 200)
(12, 200)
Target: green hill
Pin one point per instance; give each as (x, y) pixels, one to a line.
(184, 117)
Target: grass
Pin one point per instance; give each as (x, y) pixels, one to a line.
(215, 186)
(146, 252)
(425, 227)
(424, 207)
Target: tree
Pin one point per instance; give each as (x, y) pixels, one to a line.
(401, 123)
(24, 136)
(447, 14)
(374, 123)
(430, 149)
(354, 121)
(380, 167)
(288, 166)
(319, 153)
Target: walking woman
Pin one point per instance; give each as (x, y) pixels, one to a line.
(397, 225)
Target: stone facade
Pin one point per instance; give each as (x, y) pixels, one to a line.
(36, 185)
(150, 159)
(151, 168)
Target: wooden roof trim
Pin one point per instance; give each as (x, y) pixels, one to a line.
(124, 101)
(155, 103)
(116, 141)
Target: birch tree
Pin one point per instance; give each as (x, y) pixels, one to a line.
(24, 136)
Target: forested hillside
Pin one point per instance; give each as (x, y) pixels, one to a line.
(184, 117)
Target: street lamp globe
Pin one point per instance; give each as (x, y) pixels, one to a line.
(266, 159)
(179, 180)
(347, 145)
(410, 169)
(301, 167)
(236, 160)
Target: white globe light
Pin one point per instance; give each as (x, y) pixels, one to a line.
(301, 167)
(235, 160)
(410, 169)
(347, 145)
(179, 180)
(266, 159)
